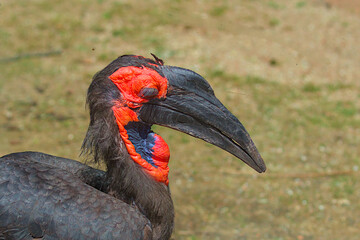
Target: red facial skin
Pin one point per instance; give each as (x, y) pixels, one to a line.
(130, 81)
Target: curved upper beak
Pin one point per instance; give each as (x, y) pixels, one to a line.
(191, 107)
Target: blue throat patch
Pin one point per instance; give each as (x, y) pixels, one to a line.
(141, 136)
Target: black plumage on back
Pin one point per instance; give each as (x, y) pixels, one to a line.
(56, 198)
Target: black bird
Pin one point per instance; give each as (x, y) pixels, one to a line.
(48, 197)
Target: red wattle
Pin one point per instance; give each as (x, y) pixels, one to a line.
(161, 152)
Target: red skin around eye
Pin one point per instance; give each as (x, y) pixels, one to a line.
(130, 80)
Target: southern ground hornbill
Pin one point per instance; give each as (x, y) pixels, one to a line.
(48, 197)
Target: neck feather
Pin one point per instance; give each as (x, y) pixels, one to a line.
(127, 180)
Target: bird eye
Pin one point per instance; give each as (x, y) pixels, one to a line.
(148, 93)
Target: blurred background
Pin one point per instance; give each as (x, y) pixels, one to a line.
(288, 69)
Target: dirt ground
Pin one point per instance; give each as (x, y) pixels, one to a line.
(349, 5)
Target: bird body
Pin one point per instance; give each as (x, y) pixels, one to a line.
(47, 196)
(44, 196)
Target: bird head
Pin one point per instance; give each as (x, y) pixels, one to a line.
(139, 92)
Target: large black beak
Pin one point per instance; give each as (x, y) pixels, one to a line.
(191, 107)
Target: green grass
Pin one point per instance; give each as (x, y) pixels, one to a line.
(304, 118)
(219, 10)
(301, 4)
(274, 5)
(274, 22)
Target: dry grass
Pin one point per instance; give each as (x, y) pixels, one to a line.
(288, 69)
